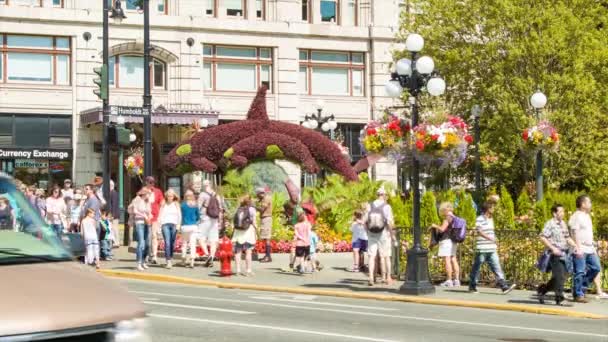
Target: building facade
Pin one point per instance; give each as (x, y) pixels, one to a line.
(209, 57)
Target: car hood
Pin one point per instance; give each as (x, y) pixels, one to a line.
(53, 296)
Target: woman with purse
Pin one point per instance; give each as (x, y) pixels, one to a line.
(556, 237)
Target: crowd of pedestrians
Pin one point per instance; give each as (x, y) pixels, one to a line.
(201, 218)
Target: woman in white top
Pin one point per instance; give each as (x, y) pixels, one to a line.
(142, 216)
(170, 219)
(244, 239)
(55, 210)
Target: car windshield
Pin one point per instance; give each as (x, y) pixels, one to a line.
(24, 235)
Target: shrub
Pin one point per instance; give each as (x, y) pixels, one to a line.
(524, 203)
(184, 150)
(466, 209)
(541, 215)
(274, 152)
(428, 211)
(504, 216)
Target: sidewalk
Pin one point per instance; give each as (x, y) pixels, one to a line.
(335, 280)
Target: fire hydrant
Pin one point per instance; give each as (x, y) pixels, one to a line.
(225, 254)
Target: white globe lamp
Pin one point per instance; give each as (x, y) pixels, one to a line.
(120, 120)
(425, 65)
(538, 100)
(333, 124)
(414, 42)
(404, 67)
(132, 137)
(325, 127)
(393, 88)
(203, 123)
(436, 86)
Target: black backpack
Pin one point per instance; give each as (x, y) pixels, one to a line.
(242, 218)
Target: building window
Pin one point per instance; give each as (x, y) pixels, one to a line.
(351, 134)
(260, 9)
(329, 11)
(210, 7)
(350, 14)
(58, 3)
(35, 59)
(36, 131)
(235, 8)
(229, 68)
(138, 5)
(305, 10)
(126, 71)
(331, 73)
(31, 3)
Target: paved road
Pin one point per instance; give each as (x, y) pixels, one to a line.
(190, 313)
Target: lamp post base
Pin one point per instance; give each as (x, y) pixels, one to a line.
(417, 273)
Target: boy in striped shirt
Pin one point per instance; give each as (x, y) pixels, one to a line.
(486, 250)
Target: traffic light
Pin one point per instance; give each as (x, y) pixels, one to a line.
(118, 135)
(102, 82)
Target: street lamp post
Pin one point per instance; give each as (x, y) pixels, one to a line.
(476, 111)
(147, 96)
(538, 101)
(414, 75)
(327, 123)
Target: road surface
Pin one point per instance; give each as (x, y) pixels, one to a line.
(180, 313)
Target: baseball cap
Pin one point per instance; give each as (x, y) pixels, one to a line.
(380, 192)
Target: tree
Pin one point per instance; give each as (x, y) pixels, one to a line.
(524, 203)
(428, 210)
(505, 213)
(466, 209)
(497, 53)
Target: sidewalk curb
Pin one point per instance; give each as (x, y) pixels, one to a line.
(344, 294)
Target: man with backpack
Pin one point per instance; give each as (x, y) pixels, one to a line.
(486, 250)
(210, 212)
(244, 235)
(379, 224)
(265, 209)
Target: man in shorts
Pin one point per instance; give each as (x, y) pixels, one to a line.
(265, 209)
(156, 201)
(209, 223)
(379, 243)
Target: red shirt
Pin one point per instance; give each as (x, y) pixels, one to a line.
(155, 205)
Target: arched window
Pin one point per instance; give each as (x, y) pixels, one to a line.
(127, 71)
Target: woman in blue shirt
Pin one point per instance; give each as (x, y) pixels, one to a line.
(190, 220)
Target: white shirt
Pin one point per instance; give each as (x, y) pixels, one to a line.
(55, 208)
(359, 231)
(582, 231)
(170, 213)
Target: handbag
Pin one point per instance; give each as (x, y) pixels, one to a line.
(543, 262)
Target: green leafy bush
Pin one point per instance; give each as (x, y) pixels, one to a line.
(466, 209)
(428, 211)
(184, 150)
(274, 152)
(504, 216)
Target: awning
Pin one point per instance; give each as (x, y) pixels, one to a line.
(160, 116)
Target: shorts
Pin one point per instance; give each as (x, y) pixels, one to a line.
(209, 230)
(380, 245)
(266, 228)
(302, 251)
(361, 245)
(447, 248)
(239, 247)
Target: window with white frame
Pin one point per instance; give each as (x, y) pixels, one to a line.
(350, 17)
(35, 59)
(331, 73)
(210, 7)
(57, 3)
(260, 9)
(305, 8)
(127, 71)
(234, 8)
(160, 6)
(231, 68)
(329, 11)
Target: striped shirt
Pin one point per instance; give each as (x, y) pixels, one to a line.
(485, 225)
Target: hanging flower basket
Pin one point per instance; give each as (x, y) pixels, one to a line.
(542, 136)
(387, 135)
(444, 144)
(134, 163)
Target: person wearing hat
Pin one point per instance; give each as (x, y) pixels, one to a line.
(67, 190)
(265, 209)
(156, 199)
(379, 224)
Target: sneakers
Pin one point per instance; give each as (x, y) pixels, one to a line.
(209, 262)
(169, 265)
(602, 295)
(580, 300)
(140, 267)
(447, 283)
(507, 290)
(266, 259)
(355, 268)
(456, 282)
(473, 290)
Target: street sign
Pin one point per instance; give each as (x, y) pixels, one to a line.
(128, 111)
